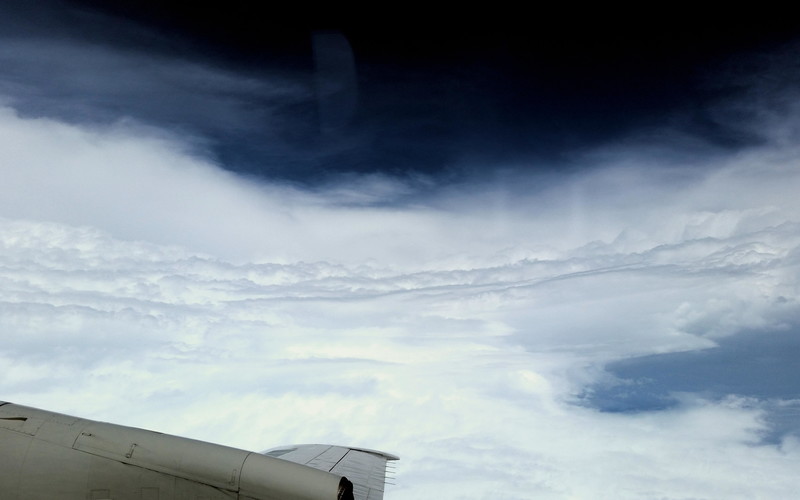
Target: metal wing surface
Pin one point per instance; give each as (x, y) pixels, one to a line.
(366, 469)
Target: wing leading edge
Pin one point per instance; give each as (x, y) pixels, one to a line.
(366, 469)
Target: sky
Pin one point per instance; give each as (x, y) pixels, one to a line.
(550, 260)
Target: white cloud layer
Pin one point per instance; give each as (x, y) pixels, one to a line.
(142, 285)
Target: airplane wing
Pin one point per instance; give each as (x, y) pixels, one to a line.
(366, 469)
(46, 455)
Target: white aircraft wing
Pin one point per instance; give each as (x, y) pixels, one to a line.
(366, 469)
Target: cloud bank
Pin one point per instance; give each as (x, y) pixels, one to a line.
(466, 332)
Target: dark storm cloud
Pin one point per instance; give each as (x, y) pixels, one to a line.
(255, 93)
(82, 65)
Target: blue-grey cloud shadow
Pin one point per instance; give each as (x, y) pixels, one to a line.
(764, 365)
(283, 103)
